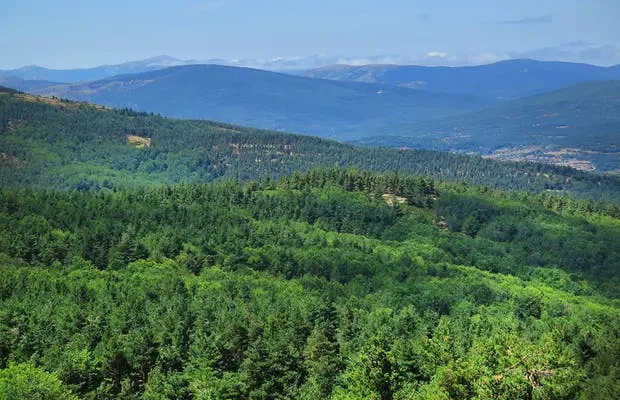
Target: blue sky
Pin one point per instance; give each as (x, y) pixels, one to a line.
(72, 33)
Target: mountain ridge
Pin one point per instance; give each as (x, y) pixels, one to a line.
(266, 99)
(505, 79)
(290, 65)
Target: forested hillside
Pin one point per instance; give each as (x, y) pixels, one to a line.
(332, 284)
(49, 143)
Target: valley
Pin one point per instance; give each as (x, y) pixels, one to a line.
(583, 117)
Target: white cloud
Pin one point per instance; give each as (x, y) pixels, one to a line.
(575, 51)
(435, 54)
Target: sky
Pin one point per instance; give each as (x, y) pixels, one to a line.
(80, 33)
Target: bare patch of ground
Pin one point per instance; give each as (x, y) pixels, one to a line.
(8, 159)
(392, 199)
(139, 141)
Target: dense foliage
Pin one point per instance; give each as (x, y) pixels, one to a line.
(331, 284)
(49, 143)
(273, 284)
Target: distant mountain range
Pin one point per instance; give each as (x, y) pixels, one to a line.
(295, 65)
(484, 109)
(392, 69)
(34, 72)
(581, 122)
(504, 79)
(268, 100)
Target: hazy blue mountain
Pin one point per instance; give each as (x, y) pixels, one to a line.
(511, 78)
(581, 121)
(292, 65)
(505, 79)
(34, 72)
(267, 99)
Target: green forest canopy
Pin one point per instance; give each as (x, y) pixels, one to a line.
(124, 275)
(329, 284)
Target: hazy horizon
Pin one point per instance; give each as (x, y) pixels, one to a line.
(410, 32)
(284, 63)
